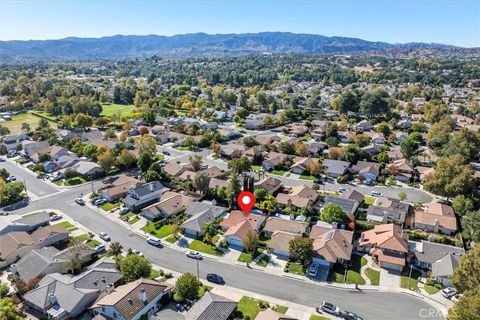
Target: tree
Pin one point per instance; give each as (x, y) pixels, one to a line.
(301, 249)
(144, 161)
(201, 182)
(471, 226)
(151, 175)
(462, 204)
(83, 120)
(250, 241)
(384, 128)
(26, 127)
(465, 277)
(467, 308)
(8, 310)
(146, 144)
(134, 267)
(43, 123)
(110, 133)
(451, 177)
(233, 190)
(115, 248)
(106, 159)
(102, 121)
(249, 141)
(216, 148)
(190, 143)
(11, 193)
(286, 147)
(239, 165)
(409, 148)
(4, 130)
(402, 196)
(126, 159)
(43, 157)
(186, 287)
(375, 102)
(300, 149)
(260, 193)
(269, 204)
(75, 259)
(196, 162)
(347, 102)
(90, 150)
(333, 213)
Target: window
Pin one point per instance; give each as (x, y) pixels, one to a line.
(115, 315)
(103, 309)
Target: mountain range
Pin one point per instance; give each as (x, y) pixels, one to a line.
(189, 45)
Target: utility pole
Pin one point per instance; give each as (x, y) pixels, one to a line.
(25, 186)
(198, 269)
(410, 276)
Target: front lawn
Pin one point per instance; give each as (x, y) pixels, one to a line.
(250, 307)
(198, 245)
(368, 200)
(431, 289)
(278, 172)
(353, 273)
(411, 283)
(249, 257)
(154, 274)
(309, 177)
(67, 226)
(162, 232)
(172, 238)
(295, 268)
(107, 206)
(263, 262)
(133, 220)
(256, 168)
(315, 317)
(280, 309)
(373, 275)
(93, 243)
(82, 238)
(75, 181)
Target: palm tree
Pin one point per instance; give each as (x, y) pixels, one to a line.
(115, 248)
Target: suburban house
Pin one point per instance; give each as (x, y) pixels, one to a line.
(26, 222)
(272, 315)
(136, 300)
(388, 210)
(437, 218)
(48, 260)
(345, 136)
(212, 172)
(363, 125)
(353, 195)
(440, 259)
(280, 242)
(274, 224)
(301, 164)
(330, 245)
(118, 188)
(142, 194)
(174, 169)
(273, 160)
(367, 170)
(335, 168)
(299, 197)
(59, 296)
(16, 244)
(210, 306)
(349, 206)
(402, 169)
(386, 244)
(237, 225)
(232, 150)
(200, 213)
(272, 185)
(30, 147)
(376, 137)
(87, 169)
(170, 203)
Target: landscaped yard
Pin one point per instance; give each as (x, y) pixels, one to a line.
(279, 172)
(75, 181)
(280, 309)
(67, 226)
(154, 274)
(93, 243)
(431, 289)
(198, 245)
(315, 317)
(296, 268)
(15, 125)
(263, 262)
(172, 238)
(249, 257)
(107, 206)
(337, 272)
(373, 275)
(368, 200)
(134, 220)
(256, 168)
(82, 237)
(164, 231)
(114, 108)
(249, 307)
(309, 177)
(411, 283)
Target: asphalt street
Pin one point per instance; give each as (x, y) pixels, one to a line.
(368, 304)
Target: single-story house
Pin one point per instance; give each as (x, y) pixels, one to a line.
(170, 203)
(272, 185)
(274, 224)
(335, 168)
(279, 245)
(331, 245)
(237, 225)
(437, 218)
(299, 197)
(200, 213)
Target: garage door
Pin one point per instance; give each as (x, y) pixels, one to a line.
(322, 262)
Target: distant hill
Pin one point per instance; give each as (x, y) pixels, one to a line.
(185, 45)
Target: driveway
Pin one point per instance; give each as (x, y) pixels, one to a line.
(389, 278)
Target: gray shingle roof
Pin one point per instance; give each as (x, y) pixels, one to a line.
(349, 206)
(431, 251)
(444, 267)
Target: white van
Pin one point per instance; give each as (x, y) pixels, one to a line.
(153, 241)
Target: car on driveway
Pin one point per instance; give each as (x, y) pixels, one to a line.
(80, 201)
(376, 193)
(99, 202)
(194, 254)
(100, 248)
(55, 217)
(330, 308)
(350, 316)
(215, 278)
(341, 190)
(448, 292)
(313, 269)
(166, 153)
(104, 236)
(124, 210)
(456, 297)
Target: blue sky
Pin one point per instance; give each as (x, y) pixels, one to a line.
(454, 22)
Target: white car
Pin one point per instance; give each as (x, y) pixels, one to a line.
(79, 201)
(456, 297)
(104, 236)
(124, 210)
(153, 241)
(140, 253)
(194, 255)
(376, 194)
(313, 269)
(448, 292)
(99, 202)
(100, 248)
(341, 190)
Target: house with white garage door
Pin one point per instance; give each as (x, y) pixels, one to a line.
(331, 245)
(237, 225)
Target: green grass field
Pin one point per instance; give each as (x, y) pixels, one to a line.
(410, 283)
(198, 245)
(278, 172)
(249, 307)
(374, 276)
(431, 289)
(162, 232)
(280, 309)
(315, 317)
(308, 177)
(296, 268)
(114, 108)
(67, 226)
(15, 125)
(107, 206)
(133, 220)
(75, 181)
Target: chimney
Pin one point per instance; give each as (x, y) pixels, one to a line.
(437, 226)
(14, 269)
(334, 225)
(289, 203)
(110, 288)
(150, 186)
(52, 298)
(214, 202)
(292, 216)
(143, 296)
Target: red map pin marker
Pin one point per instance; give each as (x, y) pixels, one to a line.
(246, 201)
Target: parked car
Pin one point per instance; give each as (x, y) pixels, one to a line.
(330, 308)
(55, 217)
(153, 241)
(313, 269)
(215, 278)
(124, 210)
(376, 193)
(448, 292)
(80, 201)
(140, 253)
(11, 178)
(456, 297)
(2, 159)
(104, 236)
(350, 316)
(193, 254)
(100, 248)
(341, 190)
(166, 153)
(368, 182)
(99, 202)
